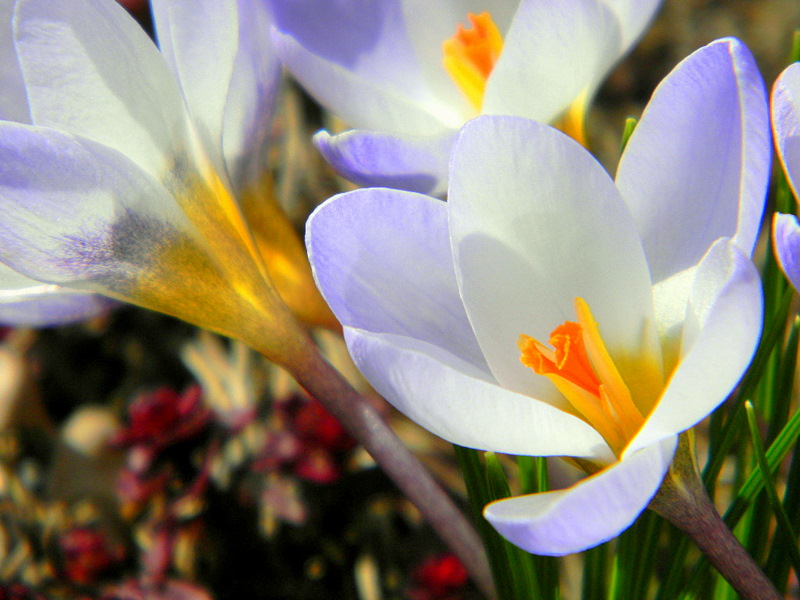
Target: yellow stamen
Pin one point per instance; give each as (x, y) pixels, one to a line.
(582, 369)
(470, 56)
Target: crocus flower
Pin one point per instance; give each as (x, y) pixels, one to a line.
(406, 74)
(141, 174)
(646, 285)
(786, 126)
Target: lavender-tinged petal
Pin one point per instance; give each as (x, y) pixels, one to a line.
(13, 100)
(553, 52)
(720, 335)
(786, 238)
(367, 38)
(361, 101)
(375, 159)
(82, 215)
(25, 302)
(697, 165)
(251, 97)
(393, 271)
(536, 222)
(77, 211)
(589, 513)
(457, 402)
(199, 41)
(786, 123)
(91, 70)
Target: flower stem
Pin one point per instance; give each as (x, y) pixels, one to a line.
(362, 421)
(683, 501)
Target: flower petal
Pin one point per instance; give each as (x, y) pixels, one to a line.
(553, 52)
(786, 236)
(536, 222)
(251, 97)
(589, 513)
(367, 38)
(13, 100)
(786, 122)
(91, 70)
(722, 330)
(697, 165)
(199, 41)
(452, 399)
(393, 271)
(362, 101)
(414, 163)
(29, 303)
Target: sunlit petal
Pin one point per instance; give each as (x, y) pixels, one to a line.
(405, 283)
(697, 164)
(71, 52)
(452, 399)
(592, 511)
(546, 227)
(723, 326)
(413, 163)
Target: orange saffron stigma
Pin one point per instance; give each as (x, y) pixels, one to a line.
(470, 56)
(580, 366)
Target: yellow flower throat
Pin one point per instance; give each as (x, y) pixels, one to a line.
(580, 366)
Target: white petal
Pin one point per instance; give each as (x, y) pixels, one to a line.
(722, 329)
(552, 53)
(589, 513)
(363, 102)
(199, 41)
(91, 70)
(536, 222)
(697, 164)
(251, 97)
(452, 399)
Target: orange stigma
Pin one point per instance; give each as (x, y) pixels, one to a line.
(580, 366)
(470, 56)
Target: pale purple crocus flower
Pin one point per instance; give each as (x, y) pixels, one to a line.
(654, 268)
(786, 126)
(140, 173)
(380, 67)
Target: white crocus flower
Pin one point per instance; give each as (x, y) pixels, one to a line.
(547, 310)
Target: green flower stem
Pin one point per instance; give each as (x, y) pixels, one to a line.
(683, 501)
(362, 421)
